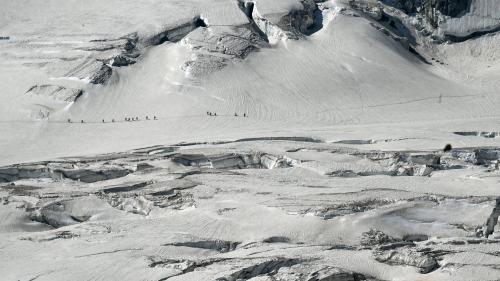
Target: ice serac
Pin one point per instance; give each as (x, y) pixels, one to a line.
(286, 22)
(266, 267)
(220, 246)
(458, 18)
(337, 274)
(13, 173)
(407, 256)
(431, 8)
(214, 47)
(426, 24)
(48, 98)
(393, 251)
(375, 237)
(187, 211)
(234, 161)
(90, 174)
(173, 33)
(68, 212)
(91, 71)
(308, 272)
(55, 93)
(102, 57)
(75, 171)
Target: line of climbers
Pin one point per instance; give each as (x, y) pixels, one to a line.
(127, 119)
(209, 113)
(131, 119)
(137, 118)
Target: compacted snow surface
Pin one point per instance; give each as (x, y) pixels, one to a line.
(325, 160)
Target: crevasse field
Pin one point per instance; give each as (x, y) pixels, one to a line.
(325, 160)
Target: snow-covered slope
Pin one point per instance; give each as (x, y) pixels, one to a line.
(179, 60)
(290, 140)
